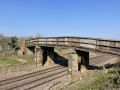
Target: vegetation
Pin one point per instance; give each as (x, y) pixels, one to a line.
(16, 63)
(7, 60)
(10, 60)
(28, 58)
(13, 42)
(107, 81)
(15, 59)
(4, 43)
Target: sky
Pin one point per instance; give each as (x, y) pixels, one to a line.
(52, 18)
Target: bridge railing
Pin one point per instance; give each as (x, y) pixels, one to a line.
(103, 45)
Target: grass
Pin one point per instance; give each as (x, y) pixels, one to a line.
(13, 59)
(28, 58)
(9, 60)
(112, 71)
(11, 64)
(94, 84)
(61, 49)
(101, 83)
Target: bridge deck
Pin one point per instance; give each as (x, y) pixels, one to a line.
(80, 43)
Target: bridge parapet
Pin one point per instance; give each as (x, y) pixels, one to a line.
(80, 43)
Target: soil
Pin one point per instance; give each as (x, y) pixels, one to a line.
(21, 60)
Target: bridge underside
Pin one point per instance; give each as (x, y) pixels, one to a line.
(77, 60)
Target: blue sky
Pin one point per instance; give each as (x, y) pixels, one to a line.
(84, 18)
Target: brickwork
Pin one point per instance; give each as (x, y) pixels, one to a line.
(44, 56)
(72, 62)
(39, 56)
(77, 60)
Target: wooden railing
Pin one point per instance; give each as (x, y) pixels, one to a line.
(102, 45)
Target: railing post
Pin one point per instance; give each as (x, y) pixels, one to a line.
(46, 41)
(96, 45)
(56, 42)
(70, 41)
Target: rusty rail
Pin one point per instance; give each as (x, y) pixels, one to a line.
(82, 43)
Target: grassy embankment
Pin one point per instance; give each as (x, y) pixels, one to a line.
(107, 81)
(16, 63)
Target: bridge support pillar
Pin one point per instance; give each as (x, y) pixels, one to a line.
(39, 56)
(44, 55)
(77, 61)
(83, 60)
(72, 62)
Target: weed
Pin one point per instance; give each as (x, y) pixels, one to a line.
(8, 60)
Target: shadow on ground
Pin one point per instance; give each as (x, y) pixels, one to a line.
(107, 66)
(91, 67)
(60, 60)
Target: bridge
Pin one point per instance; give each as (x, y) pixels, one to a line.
(81, 46)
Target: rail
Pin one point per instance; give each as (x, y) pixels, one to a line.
(90, 44)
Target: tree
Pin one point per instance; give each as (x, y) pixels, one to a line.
(13, 42)
(30, 37)
(38, 35)
(1, 35)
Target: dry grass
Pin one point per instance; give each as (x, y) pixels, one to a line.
(11, 64)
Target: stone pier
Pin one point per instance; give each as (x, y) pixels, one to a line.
(72, 62)
(39, 56)
(44, 56)
(77, 61)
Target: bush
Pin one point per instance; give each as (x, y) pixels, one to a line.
(13, 42)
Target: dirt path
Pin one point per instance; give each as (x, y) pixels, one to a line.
(21, 60)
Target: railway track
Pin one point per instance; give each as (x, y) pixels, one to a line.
(32, 80)
(38, 78)
(100, 59)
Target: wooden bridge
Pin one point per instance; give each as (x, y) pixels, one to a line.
(79, 43)
(81, 46)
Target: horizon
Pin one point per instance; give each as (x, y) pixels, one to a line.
(51, 18)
